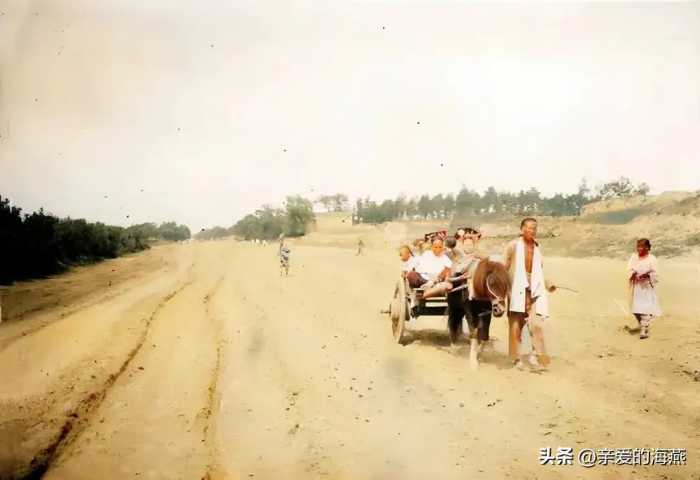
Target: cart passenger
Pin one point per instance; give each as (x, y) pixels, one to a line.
(432, 271)
(408, 261)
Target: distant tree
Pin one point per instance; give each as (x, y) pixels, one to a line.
(424, 206)
(326, 201)
(467, 202)
(448, 204)
(620, 188)
(412, 208)
(642, 189)
(400, 206)
(300, 214)
(147, 231)
(532, 200)
(490, 200)
(173, 232)
(249, 227)
(339, 202)
(40, 244)
(213, 233)
(508, 203)
(584, 190)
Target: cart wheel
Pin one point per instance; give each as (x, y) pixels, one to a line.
(399, 312)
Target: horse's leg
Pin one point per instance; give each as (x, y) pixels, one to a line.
(484, 325)
(455, 317)
(469, 313)
(473, 321)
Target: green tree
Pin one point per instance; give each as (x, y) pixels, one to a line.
(40, 244)
(467, 202)
(326, 201)
(424, 206)
(339, 202)
(448, 204)
(642, 189)
(173, 232)
(532, 200)
(300, 214)
(490, 200)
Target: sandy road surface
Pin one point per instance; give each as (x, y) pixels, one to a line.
(215, 367)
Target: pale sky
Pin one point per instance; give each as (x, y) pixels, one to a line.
(195, 102)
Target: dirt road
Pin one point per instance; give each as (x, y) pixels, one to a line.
(212, 366)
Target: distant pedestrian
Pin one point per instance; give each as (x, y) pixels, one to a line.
(643, 276)
(284, 254)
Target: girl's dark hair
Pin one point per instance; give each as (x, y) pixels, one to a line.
(645, 242)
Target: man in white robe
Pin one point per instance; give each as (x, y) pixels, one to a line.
(528, 303)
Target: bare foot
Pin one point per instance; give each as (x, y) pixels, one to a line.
(535, 365)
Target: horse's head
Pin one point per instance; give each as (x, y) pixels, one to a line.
(498, 287)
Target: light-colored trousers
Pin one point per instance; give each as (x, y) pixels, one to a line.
(516, 322)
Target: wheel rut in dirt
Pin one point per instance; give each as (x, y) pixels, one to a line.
(79, 418)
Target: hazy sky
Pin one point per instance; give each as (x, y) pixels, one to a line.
(195, 102)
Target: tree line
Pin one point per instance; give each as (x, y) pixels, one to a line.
(39, 244)
(268, 222)
(333, 203)
(470, 203)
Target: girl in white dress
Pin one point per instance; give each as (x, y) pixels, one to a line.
(643, 277)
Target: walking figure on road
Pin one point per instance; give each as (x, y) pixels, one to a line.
(527, 303)
(643, 277)
(360, 246)
(284, 254)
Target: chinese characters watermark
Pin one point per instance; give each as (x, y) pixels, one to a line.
(588, 457)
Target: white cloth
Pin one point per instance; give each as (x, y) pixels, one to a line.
(536, 284)
(430, 266)
(643, 294)
(285, 252)
(409, 264)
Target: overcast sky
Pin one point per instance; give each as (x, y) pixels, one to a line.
(195, 103)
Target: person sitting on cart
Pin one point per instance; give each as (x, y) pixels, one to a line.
(432, 271)
(408, 261)
(460, 260)
(418, 246)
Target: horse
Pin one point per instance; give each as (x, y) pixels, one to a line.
(491, 286)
